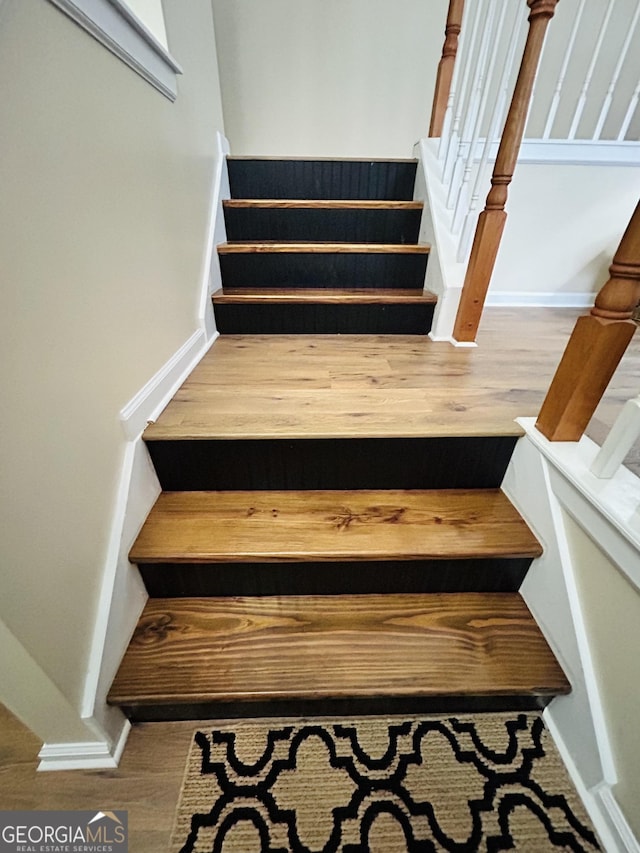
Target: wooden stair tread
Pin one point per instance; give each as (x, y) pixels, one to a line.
(369, 296)
(320, 204)
(301, 247)
(196, 650)
(283, 526)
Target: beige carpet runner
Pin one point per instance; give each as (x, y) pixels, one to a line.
(472, 783)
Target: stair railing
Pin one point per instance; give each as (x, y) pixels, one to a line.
(597, 344)
(590, 46)
(446, 67)
(491, 220)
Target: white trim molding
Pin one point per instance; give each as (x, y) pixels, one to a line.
(147, 404)
(544, 299)
(114, 25)
(83, 756)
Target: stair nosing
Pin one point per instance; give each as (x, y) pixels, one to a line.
(321, 204)
(321, 247)
(301, 295)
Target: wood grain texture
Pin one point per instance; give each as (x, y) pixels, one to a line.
(361, 296)
(195, 650)
(330, 386)
(207, 527)
(319, 204)
(273, 247)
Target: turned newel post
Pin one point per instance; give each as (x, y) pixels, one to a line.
(486, 241)
(596, 346)
(446, 66)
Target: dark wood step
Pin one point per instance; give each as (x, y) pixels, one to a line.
(261, 543)
(320, 265)
(247, 311)
(203, 657)
(301, 178)
(317, 220)
(191, 461)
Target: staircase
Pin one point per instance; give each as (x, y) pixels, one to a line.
(303, 560)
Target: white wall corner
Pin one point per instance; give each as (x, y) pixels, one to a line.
(548, 482)
(550, 593)
(445, 275)
(611, 826)
(84, 756)
(211, 278)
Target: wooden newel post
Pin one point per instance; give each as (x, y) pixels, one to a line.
(486, 241)
(596, 346)
(446, 66)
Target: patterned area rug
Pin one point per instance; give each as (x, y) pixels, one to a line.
(480, 782)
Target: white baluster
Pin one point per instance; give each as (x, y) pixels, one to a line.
(497, 117)
(584, 92)
(606, 106)
(633, 103)
(460, 58)
(472, 110)
(555, 101)
(622, 436)
(454, 139)
(462, 202)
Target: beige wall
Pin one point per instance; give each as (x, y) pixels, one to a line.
(611, 610)
(328, 78)
(105, 197)
(564, 225)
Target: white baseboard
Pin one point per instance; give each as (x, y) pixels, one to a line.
(211, 278)
(608, 820)
(153, 397)
(83, 756)
(618, 820)
(539, 300)
(122, 594)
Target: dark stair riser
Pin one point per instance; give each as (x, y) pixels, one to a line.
(342, 463)
(322, 179)
(175, 580)
(332, 226)
(338, 707)
(323, 319)
(333, 270)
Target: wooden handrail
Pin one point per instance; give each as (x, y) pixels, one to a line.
(597, 344)
(491, 221)
(446, 66)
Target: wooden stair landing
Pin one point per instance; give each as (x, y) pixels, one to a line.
(197, 657)
(277, 526)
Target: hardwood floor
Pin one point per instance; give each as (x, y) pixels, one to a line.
(146, 783)
(329, 386)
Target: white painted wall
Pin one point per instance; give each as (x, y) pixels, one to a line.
(611, 608)
(106, 190)
(332, 78)
(564, 225)
(585, 595)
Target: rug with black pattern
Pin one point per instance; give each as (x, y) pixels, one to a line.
(479, 782)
